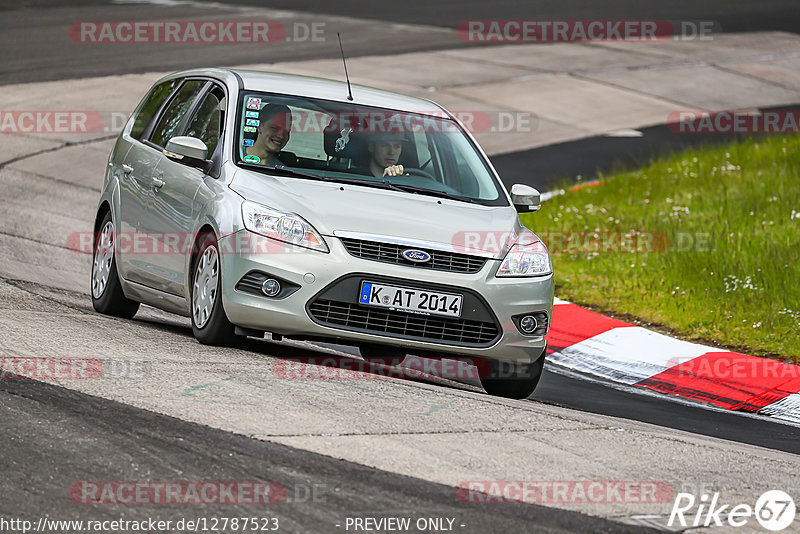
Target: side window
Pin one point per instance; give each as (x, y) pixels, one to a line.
(150, 106)
(170, 121)
(426, 153)
(207, 122)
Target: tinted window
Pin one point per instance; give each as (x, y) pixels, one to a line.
(167, 126)
(206, 124)
(150, 106)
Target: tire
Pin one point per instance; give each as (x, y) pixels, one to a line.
(513, 381)
(383, 354)
(210, 325)
(107, 295)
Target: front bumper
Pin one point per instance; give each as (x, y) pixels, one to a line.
(314, 272)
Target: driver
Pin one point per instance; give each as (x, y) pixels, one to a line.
(384, 153)
(275, 124)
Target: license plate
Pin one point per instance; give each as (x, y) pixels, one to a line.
(419, 301)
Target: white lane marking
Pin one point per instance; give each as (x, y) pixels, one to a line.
(625, 132)
(173, 3)
(557, 300)
(787, 409)
(627, 354)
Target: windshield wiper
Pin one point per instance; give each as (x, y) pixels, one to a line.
(368, 183)
(433, 192)
(289, 171)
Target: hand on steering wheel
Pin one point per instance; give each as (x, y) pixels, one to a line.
(399, 170)
(393, 170)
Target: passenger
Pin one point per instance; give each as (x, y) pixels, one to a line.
(275, 125)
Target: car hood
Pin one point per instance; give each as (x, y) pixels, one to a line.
(337, 209)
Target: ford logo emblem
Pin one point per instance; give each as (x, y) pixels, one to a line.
(417, 256)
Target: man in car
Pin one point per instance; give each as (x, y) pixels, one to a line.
(275, 125)
(385, 150)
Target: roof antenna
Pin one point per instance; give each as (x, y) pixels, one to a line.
(346, 77)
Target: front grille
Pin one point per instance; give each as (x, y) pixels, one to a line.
(392, 253)
(403, 324)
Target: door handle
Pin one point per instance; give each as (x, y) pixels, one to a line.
(158, 183)
(127, 169)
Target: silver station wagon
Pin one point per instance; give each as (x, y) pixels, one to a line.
(257, 203)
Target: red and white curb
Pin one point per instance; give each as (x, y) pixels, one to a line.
(591, 343)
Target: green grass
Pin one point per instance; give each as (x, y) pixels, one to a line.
(727, 224)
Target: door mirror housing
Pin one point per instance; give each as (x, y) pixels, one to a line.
(525, 198)
(190, 151)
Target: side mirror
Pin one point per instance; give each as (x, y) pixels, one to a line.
(189, 151)
(525, 198)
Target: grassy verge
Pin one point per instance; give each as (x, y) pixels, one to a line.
(704, 243)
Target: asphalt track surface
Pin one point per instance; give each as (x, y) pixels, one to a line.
(569, 391)
(572, 162)
(563, 164)
(44, 424)
(745, 15)
(34, 42)
(53, 436)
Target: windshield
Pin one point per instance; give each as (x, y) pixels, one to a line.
(410, 152)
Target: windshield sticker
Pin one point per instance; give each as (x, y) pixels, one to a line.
(252, 159)
(247, 142)
(251, 114)
(252, 122)
(253, 103)
(341, 143)
(249, 128)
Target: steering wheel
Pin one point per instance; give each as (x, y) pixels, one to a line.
(419, 172)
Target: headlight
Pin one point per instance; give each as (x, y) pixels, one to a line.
(287, 227)
(526, 260)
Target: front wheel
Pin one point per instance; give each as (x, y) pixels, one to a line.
(210, 325)
(513, 381)
(107, 295)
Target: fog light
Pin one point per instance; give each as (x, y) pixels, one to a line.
(271, 287)
(528, 324)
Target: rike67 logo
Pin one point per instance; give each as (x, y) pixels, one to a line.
(774, 510)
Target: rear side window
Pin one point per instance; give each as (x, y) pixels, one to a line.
(171, 120)
(150, 106)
